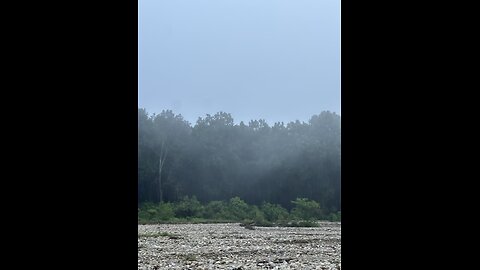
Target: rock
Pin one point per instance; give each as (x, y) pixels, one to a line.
(227, 246)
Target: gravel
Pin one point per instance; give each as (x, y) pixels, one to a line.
(230, 246)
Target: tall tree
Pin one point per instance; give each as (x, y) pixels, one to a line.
(217, 160)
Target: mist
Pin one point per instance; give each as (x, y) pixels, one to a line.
(239, 126)
(216, 159)
(274, 60)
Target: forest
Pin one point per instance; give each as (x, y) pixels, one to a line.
(217, 160)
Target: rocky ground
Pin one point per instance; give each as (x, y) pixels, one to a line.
(230, 246)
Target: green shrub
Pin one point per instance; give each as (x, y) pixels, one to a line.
(335, 216)
(306, 209)
(152, 212)
(238, 209)
(274, 212)
(188, 207)
(147, 205)
(307, 224)
(165, 211)
(257, 215)
(217, 210)
(143, 217)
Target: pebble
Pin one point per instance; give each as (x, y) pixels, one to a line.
(230, 246)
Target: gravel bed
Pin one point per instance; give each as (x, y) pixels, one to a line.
(230, 246)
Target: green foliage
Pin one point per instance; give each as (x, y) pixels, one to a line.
(238, 208)
(143, 217)
(156, 234)
(335, 216)
(257, 215)
(190, 210)
(216, 159)
(274, 212)
(165, 211)
(150, 212)
(303, 223)
(188, 207)
(216, 210)
(306, 209)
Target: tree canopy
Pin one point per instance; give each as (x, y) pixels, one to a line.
(215, 159)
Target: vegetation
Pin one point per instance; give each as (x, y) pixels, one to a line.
(189, 210)
(157, 234)
(200, 172)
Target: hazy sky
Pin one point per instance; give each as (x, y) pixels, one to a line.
(278, 60)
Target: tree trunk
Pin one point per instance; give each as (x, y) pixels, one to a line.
(160, 192)
(163, 157)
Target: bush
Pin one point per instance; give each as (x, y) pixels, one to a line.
(238, 209)
(339, 215)
(274, 212)
(165, 211)
(191, 210)
(307, 224)
(335, 217)
(153, 212)
(216, 210)
(256, 215)
(150, 212)
(188, 207)
(143, 216)
(306, 209)
(147, 205)
(332, 217)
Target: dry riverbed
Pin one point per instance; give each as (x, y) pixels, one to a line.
(230, 246)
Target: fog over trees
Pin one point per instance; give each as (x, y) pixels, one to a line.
(215, 159)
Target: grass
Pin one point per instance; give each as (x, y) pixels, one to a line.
(301, 224)
(189, 257)
(158, 234)
(285, 223)
(185, 221)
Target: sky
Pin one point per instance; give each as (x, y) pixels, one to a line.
(277, 60)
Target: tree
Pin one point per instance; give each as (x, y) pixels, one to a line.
(306, 209)
(216, 159)
(161, 163)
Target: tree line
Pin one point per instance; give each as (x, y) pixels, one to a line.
(190, 210)
(216, 160)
